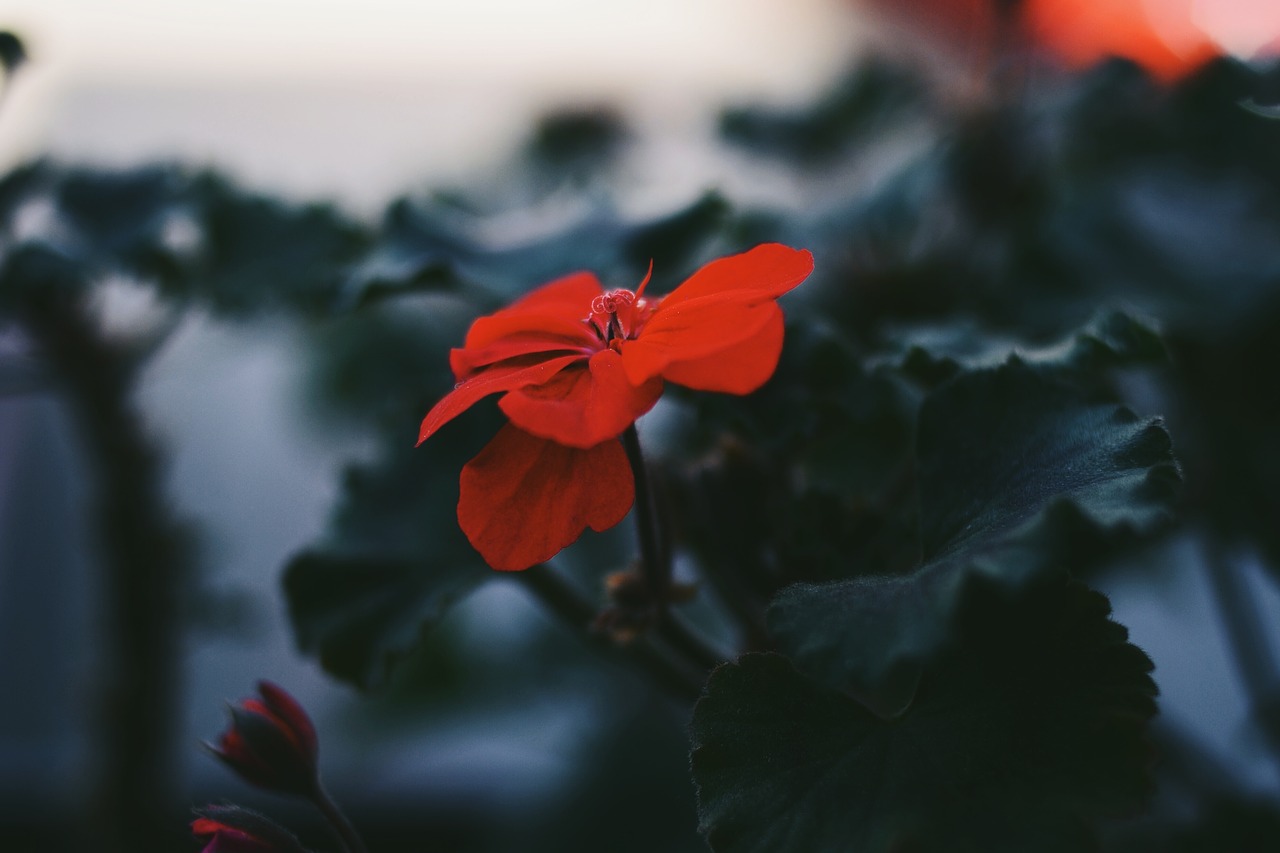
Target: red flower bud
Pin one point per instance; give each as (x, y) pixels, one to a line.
(271, 743)
(231, 829)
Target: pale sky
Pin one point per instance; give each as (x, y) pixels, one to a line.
(756, 42)
(355, 99)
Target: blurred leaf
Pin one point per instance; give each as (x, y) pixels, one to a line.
(1028, 730)
(257, 252)
(577, 142)
(130, 220)
(862, 104)
(392, 562)
(359, 615)
(12, 52)
(673, 240)
(440, 244)
(34, 274)
(1114, 339)
(1022, 475)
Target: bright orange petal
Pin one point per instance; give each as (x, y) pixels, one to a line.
(582, 407)
(524, 498)
(502, 377)
(770, 267)
(740, 369)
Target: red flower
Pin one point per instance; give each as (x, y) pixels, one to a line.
(577, 365)
(271, 743)
(1164, 36)
(231, 829)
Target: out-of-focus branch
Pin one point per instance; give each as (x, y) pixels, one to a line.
(143, 557)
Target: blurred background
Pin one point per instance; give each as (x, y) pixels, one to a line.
(355, 105)
(363, 102)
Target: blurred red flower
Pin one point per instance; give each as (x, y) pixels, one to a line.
(577, 365)
(1161, 36)
(231, 829)
(271, 743)
(1168, 37)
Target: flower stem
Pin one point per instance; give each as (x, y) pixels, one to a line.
(579, 611)
(656, 570)
(655, 565)
(347, 835)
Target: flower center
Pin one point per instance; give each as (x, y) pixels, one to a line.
(618, 315)
(609, 303)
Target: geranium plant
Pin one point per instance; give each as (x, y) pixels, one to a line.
(906, 437)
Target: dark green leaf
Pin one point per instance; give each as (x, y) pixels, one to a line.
(809, 478)
(1113, 339)
(1026, 731)
(1022, 474)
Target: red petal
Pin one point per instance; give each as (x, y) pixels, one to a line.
(501, 377)
(556, 327)
(739, 369)
(577, 288)
(524, 498)
(557, 308)
(770, 267)
(205, 826)
(695, 329)
(467, 362)
(287, 709)
(582, 407)
(256, 706)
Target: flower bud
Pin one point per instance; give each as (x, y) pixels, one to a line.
(231, 829)
(271, 743)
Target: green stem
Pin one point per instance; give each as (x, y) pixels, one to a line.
(656, 570)
(347, 835)
(655, 565)
(579, 611)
